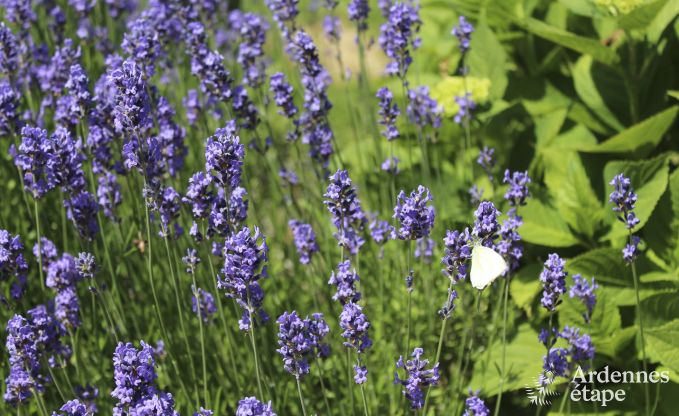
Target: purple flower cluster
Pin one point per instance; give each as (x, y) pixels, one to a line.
(332, 27)
(463, 34)
(250, 406)
(474, 406)
(245, 257)
(305, 240)
(390, 165)
(517, 193)
(457, 254)
(345, 280)
(224, 157)
(449, 305)
(314, 124)
(415, 215)
(584, 291)
(208, 66)
(203, 304)
(417, 377)
(422, 109)
(299, 340)
(486, 160)
(355, 326)
(345, 207)
(486, 224)
(509, 245)
(9, 103)
(132, 111)
(35, 160)
(135, 376)
(283, 95)
(465, 105)
(624, 199)
(560, 362)
(389, 113)
(553, 278)
(73, 408)
(12, 262)
(397, 37)
(381, 231)
(358, 11)
(251, 29)
(631, 249)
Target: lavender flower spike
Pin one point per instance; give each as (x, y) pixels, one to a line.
(553, 278)
(624, 199)
(415, 214)
(417, 377)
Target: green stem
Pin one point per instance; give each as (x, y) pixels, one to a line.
(37, 230)
(647, 395)
(251, 331)
(504, 342)
(301, 398)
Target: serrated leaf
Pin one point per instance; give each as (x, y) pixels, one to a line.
(649, 179)
(660, 309)
(588, 91)
(605, 319)
(570, 40)
(604, 264)
(543, 225)
(641, 137)
(663, 344)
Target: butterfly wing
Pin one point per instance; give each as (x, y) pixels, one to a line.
(487, 265)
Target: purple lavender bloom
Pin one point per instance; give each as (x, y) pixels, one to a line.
(78, 85)
(466, 105)
(141, 43)
(313, 122)
(73, 408)
(34, 159)
(224, 157)
(12, 262)
(198, 194)
(486, 225)
(204, 412)
(580, 347)
(360, 374)
(164, 202)
(358, 11)
(66, 163)
(381, 231)
(355, 326)
(345, 207)
(19, 12)
(584, 291)
(252, 32)
(62, 273)
(244, 109)
(207, 66)
(463, 34)
(245, 260)
(45, 251)
(424, 247)
(486, 160)
(227, 215)
(417, 377)
(555, 363)
(9, 103)
(449, 306)
(457, 254)
(389, 113)
(132, 103)
(82, 210)
(390, 165)
(289, 176)
(284, 11)
(282, 95)
(109, 196)
(345, 280)
(509, 246)
(332, 27)
(475, 195)
(422, 109)
(87, 394)
(203, 304)
(295, 343)
(135, 376)
(9, 52)
(318, 330)
(414, 214)
(474, 406)
(170, 138)
(24, 360)
(624, 199)
(518, 187)
(67, 308)
(250, 406)
(191, 260)
(305, 240)
(553, 278)
(385, 7)
(397, 37)
(631, 249)
(192, 106)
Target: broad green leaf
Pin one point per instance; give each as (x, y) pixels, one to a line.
(574, 139)
(674, 94)
(571, 41)
(547, 127)
(641, 17)
(659, 277)
(641, 137)
(626, 296)
(549, 101)
(544, 225)
(588, 91)
(605, 316)
(659, 309)
(525, 285)
(666, 16)
(487, 59)
(604, 264)
(569, 185)
(649, 179)
(581, 7)
(663, 344)
(523, 363)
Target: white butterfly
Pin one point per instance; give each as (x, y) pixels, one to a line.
(487, 265)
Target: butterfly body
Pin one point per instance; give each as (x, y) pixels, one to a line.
(487, 265)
